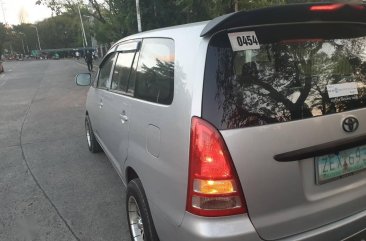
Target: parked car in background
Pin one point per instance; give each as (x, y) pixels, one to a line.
(56, 56)
(248, 127)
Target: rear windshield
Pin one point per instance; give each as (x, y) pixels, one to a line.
(284, 73)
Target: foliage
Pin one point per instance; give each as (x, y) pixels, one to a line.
(115, 19)
(3, 37)
(110, 20)
(62, 31)
(59, 6)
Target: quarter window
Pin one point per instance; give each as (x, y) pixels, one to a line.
(155, 71)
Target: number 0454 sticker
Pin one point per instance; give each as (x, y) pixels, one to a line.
(244, 41)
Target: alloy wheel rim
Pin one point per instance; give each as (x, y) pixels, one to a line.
(135, 220)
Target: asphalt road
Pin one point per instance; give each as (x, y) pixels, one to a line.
(51, 187)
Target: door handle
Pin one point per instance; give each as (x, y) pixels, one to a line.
(124, 118)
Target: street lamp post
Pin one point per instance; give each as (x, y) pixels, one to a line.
(39, 43)
(138, 13)
(93, 41)
(23, 45)
(22, 35)
(85, 42)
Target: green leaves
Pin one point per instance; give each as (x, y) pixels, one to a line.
(117, 18)
(114, 19)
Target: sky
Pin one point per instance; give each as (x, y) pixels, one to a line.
(14, 9)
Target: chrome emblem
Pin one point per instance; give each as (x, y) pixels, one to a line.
(350, 124)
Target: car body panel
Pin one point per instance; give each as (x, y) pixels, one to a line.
(115, 130)
(173, 121)
(282, 197)
(284, 203)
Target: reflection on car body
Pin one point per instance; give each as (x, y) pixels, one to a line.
(233, 129)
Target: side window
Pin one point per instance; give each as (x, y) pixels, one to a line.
(122, 71)
(105, 71)
(131, 82)
(155, 71)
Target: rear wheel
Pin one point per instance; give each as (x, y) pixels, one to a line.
(93, 144)
(139, 217)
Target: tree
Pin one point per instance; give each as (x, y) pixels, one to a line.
(60, 32)
(3, 37)
(117, 18)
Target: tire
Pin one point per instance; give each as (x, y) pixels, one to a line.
(92, 142)
(139, 217)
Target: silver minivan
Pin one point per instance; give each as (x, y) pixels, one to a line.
(248, 127)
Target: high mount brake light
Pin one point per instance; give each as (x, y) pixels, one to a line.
(213, 186)
(330, 7)
(335, 7)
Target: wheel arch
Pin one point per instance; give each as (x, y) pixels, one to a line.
(131, 174)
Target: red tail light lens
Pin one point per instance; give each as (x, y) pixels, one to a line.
(358, 7)
(330, 7)
(213, 187)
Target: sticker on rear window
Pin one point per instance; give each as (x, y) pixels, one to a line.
(244, 41)
(340, 90)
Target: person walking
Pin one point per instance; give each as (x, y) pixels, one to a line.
(77, 55)
(89, 60)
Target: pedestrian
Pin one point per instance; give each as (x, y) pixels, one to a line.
(77, 54)
(89, 60)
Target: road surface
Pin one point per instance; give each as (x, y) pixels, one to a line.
(51, 187)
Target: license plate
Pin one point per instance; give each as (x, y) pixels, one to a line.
(344, 163)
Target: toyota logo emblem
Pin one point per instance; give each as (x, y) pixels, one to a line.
(350, 124)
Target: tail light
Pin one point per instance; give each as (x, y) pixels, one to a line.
(330, 7)
(213, 186)
(335, 7)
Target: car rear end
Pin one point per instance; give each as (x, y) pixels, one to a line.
(279, 151)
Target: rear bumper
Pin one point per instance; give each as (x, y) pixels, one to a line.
(343, 230)
(235, 228)
(240, 228)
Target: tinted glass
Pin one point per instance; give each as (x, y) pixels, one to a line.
(155, 71)
(131, 82)
(297, 73)
(105, 71)
(121, 71)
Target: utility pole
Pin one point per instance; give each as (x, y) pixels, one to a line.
(139, 29)
(85, 42)
(2, 8)
(23, 45)
(236, 5)
(39, 42)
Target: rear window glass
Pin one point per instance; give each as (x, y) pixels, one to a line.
(297, 72)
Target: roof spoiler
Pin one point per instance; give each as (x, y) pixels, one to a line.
(299, 13)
